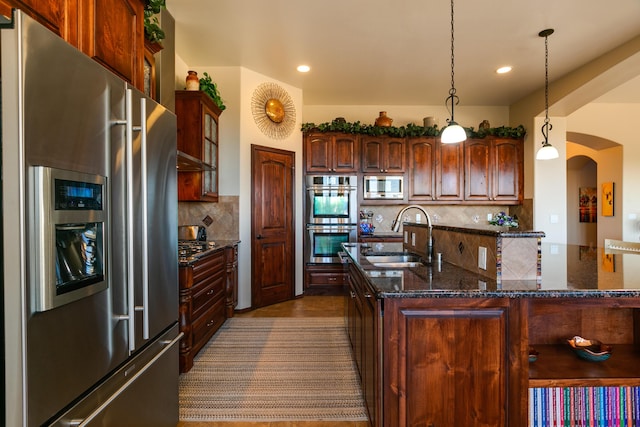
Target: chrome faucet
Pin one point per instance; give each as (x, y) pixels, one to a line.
(395, 226)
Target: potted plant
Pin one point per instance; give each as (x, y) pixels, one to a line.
(152, 30)
(210, 88)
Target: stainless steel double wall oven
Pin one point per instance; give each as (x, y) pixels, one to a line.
(332, 216)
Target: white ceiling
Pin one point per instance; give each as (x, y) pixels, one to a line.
(397, 52)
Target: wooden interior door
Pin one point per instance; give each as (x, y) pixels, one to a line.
(272, 226)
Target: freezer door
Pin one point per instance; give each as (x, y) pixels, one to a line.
(143, 393)
(154, 212)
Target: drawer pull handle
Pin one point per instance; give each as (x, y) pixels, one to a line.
(210, 292)
(210, 323)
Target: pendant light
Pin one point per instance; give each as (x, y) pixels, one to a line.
(548, 151)
(453, 132)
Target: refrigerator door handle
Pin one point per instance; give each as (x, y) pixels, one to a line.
(145, 240)
(130, 229)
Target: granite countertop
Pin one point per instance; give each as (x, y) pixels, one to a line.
(382, 234)
(482, 229)
(215, 246)
(567, 271)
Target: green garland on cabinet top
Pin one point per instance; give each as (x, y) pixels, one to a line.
(338, 125)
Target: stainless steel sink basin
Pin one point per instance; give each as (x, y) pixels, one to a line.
(394, 261)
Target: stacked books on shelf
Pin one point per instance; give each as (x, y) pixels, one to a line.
(584, 406)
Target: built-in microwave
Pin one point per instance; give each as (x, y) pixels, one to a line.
(387, 187)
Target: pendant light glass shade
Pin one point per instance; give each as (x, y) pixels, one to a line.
(453, 133)
(548, 151)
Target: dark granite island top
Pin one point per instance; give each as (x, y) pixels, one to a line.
(567, 271)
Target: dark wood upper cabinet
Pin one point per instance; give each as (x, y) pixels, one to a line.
(331, 153)
(383, 154)
(420, 169)
(449, 169)
(110, 32)
(59, 16)
(198, 118)
(493, 170)
(508, 169)
(477, 171)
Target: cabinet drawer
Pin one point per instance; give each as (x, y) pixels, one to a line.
(207, 266)
(317, 278)
(205, 326)
(204, 296)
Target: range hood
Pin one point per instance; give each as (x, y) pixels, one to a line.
(187, 163)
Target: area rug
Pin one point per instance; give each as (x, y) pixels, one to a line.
(274, 369)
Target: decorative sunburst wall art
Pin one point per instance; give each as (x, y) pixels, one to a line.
(273, 110)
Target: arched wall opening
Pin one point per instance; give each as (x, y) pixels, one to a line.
(582, 201)
(593, 161)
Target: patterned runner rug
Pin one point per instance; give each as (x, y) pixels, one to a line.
(274, 369)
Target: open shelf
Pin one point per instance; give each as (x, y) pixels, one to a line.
(613, 321)
(558, 366)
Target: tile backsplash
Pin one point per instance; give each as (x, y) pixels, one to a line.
(224, 215)
(383, 215)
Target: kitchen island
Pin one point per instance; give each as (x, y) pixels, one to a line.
(439, 345)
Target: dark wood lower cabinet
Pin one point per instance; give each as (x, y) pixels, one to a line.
(447, 362)
(363, 326)
(325, 279)
(437, 361)
(231, 258)
(208, 296)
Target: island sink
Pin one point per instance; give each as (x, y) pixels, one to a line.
(394, 261)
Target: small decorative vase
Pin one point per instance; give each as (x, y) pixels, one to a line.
(384, 120)
(484, 125)
(429, 121)
(193, 82)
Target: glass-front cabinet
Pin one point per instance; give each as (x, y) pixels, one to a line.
(197, 146)
(210, 154)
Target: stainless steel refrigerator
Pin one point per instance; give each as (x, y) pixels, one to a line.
(89, 233)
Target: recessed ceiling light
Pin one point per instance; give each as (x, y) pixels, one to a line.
(503, 70)
(303, 68)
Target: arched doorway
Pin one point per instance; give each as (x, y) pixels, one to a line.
(582, 196)
(606, 156)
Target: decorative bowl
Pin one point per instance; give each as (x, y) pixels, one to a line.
(591, 350)
(366, 228)
(533, 355)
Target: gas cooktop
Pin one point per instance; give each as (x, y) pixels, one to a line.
(190, 250)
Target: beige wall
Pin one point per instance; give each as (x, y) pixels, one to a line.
(467, 116)
(572, 109)
(617, 123)
(237, 133)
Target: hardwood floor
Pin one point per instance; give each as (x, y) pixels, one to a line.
(309, 306)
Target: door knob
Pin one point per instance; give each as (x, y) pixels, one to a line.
(259, 237)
